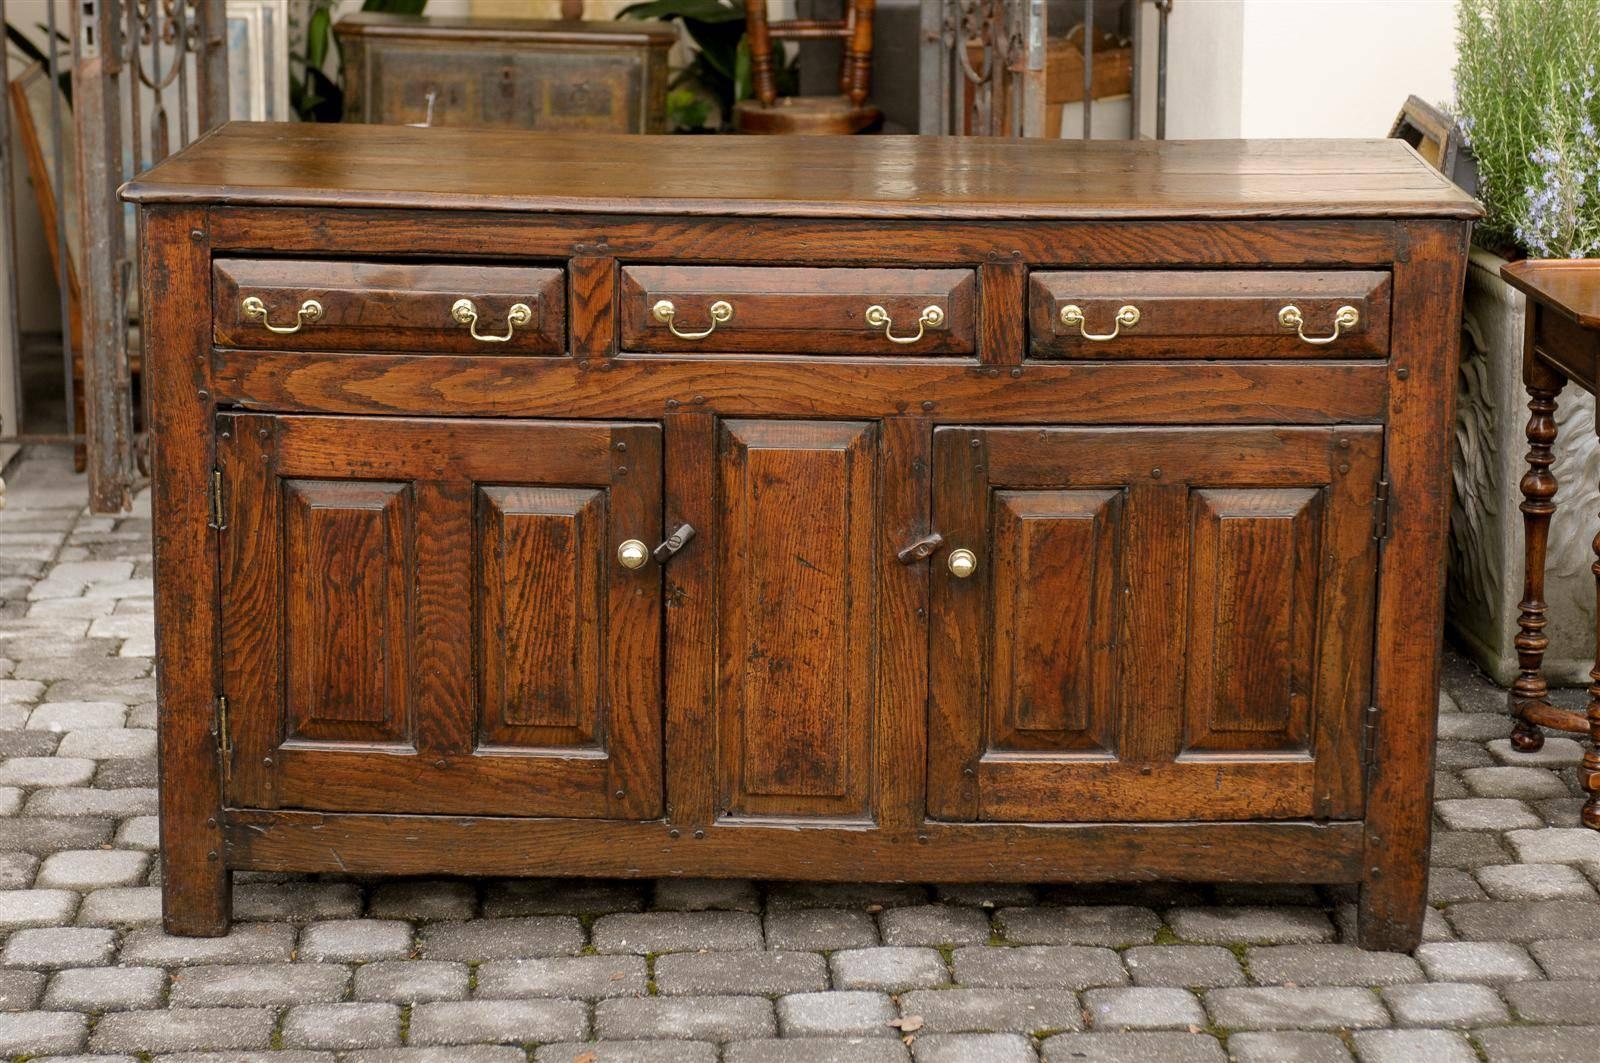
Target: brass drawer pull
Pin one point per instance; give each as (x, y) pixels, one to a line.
(632, 554)
(962, 563)
(1343, 318)
(721, 311)
(1127, 317)
(878, 317)
(309, 313)
(465, 313)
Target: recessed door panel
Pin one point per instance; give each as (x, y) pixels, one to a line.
(797, 627)
(428, 615)
(1163, 623)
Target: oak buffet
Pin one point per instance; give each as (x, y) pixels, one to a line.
(857, 508)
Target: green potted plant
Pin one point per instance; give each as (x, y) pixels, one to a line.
(701, 95)
(1528, 105)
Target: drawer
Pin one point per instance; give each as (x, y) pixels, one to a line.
(1208, 314)
(887, 312)
(289, 304)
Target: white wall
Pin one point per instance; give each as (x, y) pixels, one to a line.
(1304, 68)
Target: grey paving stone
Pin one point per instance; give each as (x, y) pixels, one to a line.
(836, 1014)
(1116, 926)
(1488, 962)
(705, 895)
(459, 1022)
(92, 801)
(1038, 967)
(1539, 1044)
(122, 906)
(351, 940)
(17, 871)
(1183, 966)
(1554, 1003)
(1472, 726)
(1556, 845)
(341, 1026)
(1295, 1007)
(1523, 921)
(934, 924)
(25, 908)
(818, 1050)
(820, 928)
(1143, 1008)
(760, 973)
(627, 1052)
(271, 1056)
(424, 899)
(296, 902)
(973, 1048)
(1132, 1048)
(52, 948)
(584, 977)
(1566, 959)
(991, 895)
(32, 1032)
(89, 869)
(889, 968)
(181, 1029)
(1250, 925)
(647, 932)
(20, 990)
(1536, 882)
(1413, 1046)
(106, 989)
(1516, 782)
(63, 716)
(258, 984)
(501, 939)
(685, 1018)
(561, 896)
(140, 832)
(1030, 1011)
(870, 895)
(1445, 1005)
(1558, 751)
(46, 771)
(412, 981)
(109, 743)
(1286, 1046)
(1447, 885)
(40, 835)
(1468, 849)
(1331, 965)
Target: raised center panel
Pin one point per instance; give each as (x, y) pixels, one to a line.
(796, 619)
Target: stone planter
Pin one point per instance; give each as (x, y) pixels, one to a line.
(1485, 523)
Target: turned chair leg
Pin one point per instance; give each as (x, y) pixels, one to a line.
(1538, 504)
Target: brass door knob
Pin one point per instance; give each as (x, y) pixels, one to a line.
(962, 563)
(632, 554)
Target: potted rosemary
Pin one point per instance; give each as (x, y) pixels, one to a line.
(1528, 105)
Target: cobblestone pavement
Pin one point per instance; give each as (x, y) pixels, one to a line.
(325, 970)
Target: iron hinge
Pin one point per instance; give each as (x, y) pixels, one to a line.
(224, 732)
(216, 501)
(1380, 511)
(1369, 736)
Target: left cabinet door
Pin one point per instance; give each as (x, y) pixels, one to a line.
(429, 615)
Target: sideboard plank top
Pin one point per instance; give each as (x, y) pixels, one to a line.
(297, 164)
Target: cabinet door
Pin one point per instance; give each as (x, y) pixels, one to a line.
(429, 615)
(1163, 624)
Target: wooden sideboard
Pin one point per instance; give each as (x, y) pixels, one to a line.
(853, 509)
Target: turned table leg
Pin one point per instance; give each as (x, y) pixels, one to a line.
(1530, 690)
(1589, 771)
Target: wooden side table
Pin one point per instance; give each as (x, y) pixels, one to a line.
(1562, 343)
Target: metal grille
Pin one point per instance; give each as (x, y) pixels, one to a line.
(146, 77)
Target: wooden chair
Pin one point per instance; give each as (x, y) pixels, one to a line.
(848, 112)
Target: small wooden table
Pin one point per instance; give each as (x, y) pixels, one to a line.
(1562, 343)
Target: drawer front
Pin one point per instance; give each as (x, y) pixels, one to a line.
(288, 304)
(920, 312)
(1208, 314)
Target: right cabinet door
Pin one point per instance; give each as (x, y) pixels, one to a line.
(1161, 624)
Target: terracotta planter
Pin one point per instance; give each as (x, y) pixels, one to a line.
(1486, 525)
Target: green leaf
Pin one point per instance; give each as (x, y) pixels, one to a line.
(696, 10)
(318, 31)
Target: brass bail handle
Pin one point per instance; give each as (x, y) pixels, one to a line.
(1072, 315)
(310, 312)
(721, 311)
(465, 313)
(1343, 318)
(878, 317)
